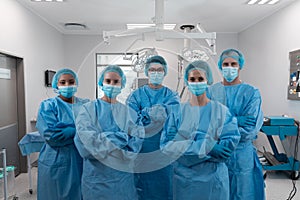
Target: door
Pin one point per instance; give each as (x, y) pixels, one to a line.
(9, 111)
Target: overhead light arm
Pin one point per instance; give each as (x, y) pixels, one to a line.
(161, 33)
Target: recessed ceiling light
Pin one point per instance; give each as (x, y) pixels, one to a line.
(134, 26)
(273, 2)
(262, 2)
(75, 26)
(48, 0)
(251, 2)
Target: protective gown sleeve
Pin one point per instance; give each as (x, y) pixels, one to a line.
(195, 144)
(229, 135)
(92, 142)
(252, 108)
(142, 114)
(48, 124)
(183, 144)
(153, 118)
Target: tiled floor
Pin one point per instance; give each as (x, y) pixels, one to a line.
(278, 186)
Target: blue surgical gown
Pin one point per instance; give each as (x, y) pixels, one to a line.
(108, 140)
(59, 163)
(156, 184)
(245, 170)
(190, 137)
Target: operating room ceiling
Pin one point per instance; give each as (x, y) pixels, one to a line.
(105, 15)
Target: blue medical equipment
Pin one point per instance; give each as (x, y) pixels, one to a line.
(30, 143)
(288, 133)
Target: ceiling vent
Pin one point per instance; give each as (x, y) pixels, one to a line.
(75, 26)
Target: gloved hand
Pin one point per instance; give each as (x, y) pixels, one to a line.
(144, 117)
(120, 139)
(171, 133)
(220, 151)
(157, 113)
(246, 120)
(64, 134)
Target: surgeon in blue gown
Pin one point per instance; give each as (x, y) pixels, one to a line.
(202, 137)
(59, 163)
(109, 141)
(153, 103)
(244, 102)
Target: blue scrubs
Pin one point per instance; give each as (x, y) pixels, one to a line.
(109, 141)
(198, 175)
(152, 107)
(59, 163)
(245, 170)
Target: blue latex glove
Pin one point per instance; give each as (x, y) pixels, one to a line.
(220, 151)
(64, 134)
(246, 120)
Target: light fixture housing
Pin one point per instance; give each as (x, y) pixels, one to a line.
(134, 26)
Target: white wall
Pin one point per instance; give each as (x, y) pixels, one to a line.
(266, 46)
(25, 35)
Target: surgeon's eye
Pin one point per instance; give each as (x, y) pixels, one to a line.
(192, 79)
(62, 82)
(107, 81)
(225, 64)
(200, 79)
(116, 81)
(72, 82)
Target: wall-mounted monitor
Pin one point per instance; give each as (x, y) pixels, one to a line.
(48, 77)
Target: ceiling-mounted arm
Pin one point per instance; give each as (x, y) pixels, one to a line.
(159, 19)
(159, 14)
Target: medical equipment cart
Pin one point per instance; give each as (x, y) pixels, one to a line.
(7, 180)
(30, 143)
(288, 131)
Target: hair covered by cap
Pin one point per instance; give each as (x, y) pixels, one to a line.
(232, 53)
(156, 59)
(199, 65)
(62, 72)
(113, 68)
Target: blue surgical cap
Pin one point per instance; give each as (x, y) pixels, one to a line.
(156, 59)
(199, 65)
(232, 53)
(61, 72)
(112, 68)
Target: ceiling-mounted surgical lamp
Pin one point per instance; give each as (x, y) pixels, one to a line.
(161, 33)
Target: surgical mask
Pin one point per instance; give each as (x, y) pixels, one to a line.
(197, 88)
(230, 73)
(156, 78)
(67, 91)
(111, 91)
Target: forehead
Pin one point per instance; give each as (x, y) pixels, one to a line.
(112, 75)
(229, 60)
(155, 65)
(197, 73)
(66, 77)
